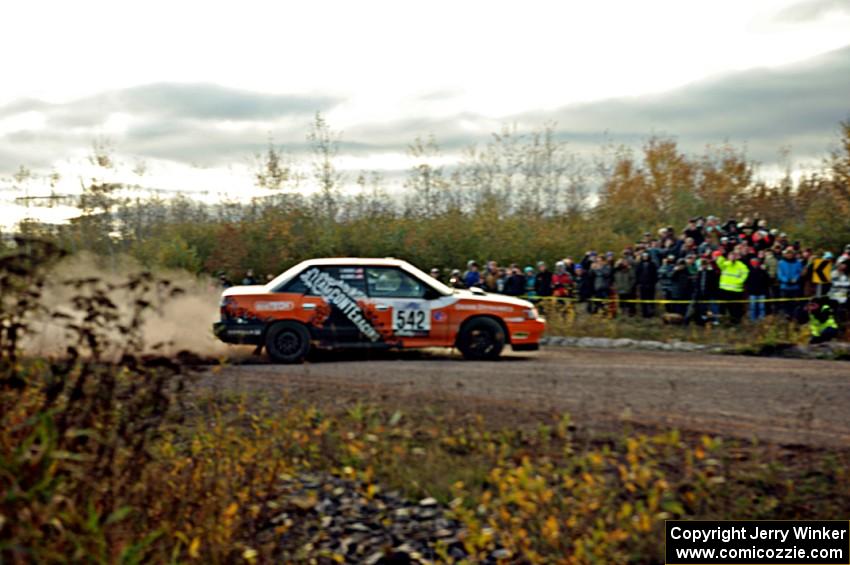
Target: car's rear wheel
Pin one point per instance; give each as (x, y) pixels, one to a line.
(481, 338)
(288, 342)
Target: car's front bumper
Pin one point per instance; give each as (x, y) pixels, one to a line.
(231, 331)
(525, 335)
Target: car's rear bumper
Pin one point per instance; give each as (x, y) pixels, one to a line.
(230, 331)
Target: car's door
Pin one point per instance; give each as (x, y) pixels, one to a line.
(335, 295)
(404, 304)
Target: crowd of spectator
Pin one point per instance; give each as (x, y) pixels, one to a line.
(707, 269)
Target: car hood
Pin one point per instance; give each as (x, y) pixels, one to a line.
(494, 298)
(244, 289)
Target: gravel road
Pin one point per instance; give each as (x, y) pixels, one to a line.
(786, 401)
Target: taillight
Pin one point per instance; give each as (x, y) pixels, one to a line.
(224, 306)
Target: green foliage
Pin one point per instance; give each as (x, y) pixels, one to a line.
(519, 197)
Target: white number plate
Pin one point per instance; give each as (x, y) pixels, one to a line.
(412, 319)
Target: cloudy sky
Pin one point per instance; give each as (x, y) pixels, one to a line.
(193, 89)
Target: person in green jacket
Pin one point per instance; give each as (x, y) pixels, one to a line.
(733, 275)
(822, 324)
(771, 265)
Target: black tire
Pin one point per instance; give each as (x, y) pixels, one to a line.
(481, 339)
(288, 342)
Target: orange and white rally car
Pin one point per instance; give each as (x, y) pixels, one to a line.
(385, 303)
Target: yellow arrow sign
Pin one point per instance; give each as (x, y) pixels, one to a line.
(822, 271)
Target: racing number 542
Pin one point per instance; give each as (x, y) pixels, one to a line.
(410, 320)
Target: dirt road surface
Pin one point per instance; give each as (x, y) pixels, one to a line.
(786, 401)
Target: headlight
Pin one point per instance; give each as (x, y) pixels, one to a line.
(531, 314)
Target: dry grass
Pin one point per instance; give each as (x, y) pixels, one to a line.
(773, 330)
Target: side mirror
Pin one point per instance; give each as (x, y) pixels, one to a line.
(477, 290)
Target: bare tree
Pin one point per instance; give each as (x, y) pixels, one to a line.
(531, 174)
(325, 146)
(427, 189)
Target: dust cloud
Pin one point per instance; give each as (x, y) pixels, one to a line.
(171, 325)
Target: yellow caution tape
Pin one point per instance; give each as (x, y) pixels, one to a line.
(664, 301)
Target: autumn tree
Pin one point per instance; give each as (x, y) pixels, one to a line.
(626, 203)
(272, 169)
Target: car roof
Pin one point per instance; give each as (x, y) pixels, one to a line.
(355, 262)
(384, 262)
(334, 261)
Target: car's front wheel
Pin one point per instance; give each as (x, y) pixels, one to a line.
(481, 339)
(288, 342)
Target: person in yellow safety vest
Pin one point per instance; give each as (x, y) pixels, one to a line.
(733, 275)
(822, 324)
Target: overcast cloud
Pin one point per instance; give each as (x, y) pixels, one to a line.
(797, 105)
(809, 10)
(195, 97)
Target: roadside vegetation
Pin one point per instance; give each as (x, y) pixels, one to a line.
(772, 331)
(110, 455)
(521, 197)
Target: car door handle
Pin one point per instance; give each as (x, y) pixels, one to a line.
(309, 306)
(381, 307)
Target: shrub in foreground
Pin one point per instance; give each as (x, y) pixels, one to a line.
(106, 457)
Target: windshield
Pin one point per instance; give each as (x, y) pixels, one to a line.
(283, 277)
(428, 279)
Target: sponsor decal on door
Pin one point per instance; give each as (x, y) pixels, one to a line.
(342, 296)
(281, 306)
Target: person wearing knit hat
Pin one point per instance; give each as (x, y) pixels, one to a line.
(471, 277)
(514, 282)
(561, 280)
(646, 277)
(771, 265)
(788, 273)
(543, 280)
(530, 279)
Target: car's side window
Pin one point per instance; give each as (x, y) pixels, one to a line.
(353, 277)
(389, 282)
(295, 286)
